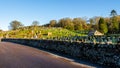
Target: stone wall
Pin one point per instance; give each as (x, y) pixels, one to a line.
(99, 53)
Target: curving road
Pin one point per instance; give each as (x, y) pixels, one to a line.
(18, 56)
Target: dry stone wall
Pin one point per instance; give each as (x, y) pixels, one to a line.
(99, 53)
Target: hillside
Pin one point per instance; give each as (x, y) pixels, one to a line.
(39, 32)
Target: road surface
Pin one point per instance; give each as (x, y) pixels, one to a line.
(18, 56)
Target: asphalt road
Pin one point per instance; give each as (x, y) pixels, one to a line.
(18, 56)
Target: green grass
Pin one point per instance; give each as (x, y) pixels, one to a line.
(41, 32)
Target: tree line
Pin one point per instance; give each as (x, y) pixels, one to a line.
(105, 25)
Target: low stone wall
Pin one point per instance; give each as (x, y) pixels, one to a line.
(99, 53)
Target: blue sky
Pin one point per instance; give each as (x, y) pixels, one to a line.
(27, 11)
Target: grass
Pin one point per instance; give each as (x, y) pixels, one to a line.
(40, 32)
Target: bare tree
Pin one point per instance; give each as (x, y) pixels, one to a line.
(15, 25)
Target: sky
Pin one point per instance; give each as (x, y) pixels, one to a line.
(27, 11)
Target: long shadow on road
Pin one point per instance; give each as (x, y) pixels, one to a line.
(70, 58)
(75, 59)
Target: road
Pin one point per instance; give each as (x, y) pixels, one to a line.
(19, 56)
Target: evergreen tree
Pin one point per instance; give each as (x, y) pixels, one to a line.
(113, 13)
(103, 26)
(115, 24)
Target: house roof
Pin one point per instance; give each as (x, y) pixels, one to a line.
(95, 33)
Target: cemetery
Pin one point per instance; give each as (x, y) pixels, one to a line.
(32, 30)
(97, 42)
